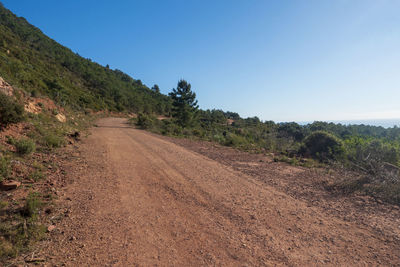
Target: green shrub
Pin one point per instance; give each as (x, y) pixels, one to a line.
(20, 232)
(367, 153)
(322, 146)
(53, 140)
(198, 132)
(218, 138)
(234, 140)
(32, 205)
(145, 121)
(34, 93)
(25, 146)
(169, 127)
(10, 140)
(10, 111)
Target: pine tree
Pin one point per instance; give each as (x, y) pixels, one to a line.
(184, 104)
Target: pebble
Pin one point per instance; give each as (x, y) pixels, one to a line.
(51, 228)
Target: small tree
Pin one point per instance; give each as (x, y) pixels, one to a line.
(322, 146)
(184, 103)
(155, 88)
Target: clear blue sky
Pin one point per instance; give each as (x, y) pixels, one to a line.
(278, 60)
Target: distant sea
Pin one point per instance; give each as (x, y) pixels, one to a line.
(386, 123)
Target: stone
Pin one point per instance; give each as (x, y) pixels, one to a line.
(6, 88)
(61, 117)
(9, 185)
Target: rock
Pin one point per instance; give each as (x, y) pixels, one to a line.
(9, 185)
(51, 228)
(6, 88)
(60, 117)
(31, 107)
(34, 260)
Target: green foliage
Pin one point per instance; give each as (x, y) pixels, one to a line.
(234, 140)
(184, 103)
(10, 140)
(18, 238)
(25, 146)
(322, 146)
(291, 130)
(32, 205)
(10, 111)
(168, 127)
(387, 192)
(48, 132)
(20, 231)
(52, 140)
(145, 121)
(365, 151)
(155, 88)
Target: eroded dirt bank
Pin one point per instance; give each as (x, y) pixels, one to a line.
(139, 200)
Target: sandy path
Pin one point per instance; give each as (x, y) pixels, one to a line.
(139, 200)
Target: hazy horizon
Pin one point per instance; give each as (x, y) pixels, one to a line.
(386, 123)
(281, 61)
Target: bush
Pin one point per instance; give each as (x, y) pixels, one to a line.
(198, 133)
(10, 140)
(322, 146)
(145, 121)
(10, 111)
(53, 141)
(25, 146)
(34, 93)
(234, 140)
(168, 127)
(367, 153)
(32, 205)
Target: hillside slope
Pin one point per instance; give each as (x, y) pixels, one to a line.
(36, 63)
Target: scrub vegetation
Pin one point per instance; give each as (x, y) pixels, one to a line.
(40, 68)
(371, 154)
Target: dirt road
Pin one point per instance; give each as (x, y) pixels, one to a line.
(139, 200)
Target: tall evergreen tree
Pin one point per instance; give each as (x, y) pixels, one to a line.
(184, 103)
